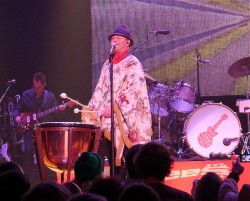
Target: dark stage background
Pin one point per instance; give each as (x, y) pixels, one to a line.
(53, 37)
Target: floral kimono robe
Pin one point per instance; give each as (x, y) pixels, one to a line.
(132, 122)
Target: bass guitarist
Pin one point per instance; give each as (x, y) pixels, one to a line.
(34, 100)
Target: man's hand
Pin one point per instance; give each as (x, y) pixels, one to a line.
(18, 119)
(62, 107)
(106, 112)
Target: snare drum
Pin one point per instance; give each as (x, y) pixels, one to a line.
(59, 144)
(208, 125)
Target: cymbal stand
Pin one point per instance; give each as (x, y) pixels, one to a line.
(245, 138)
(180, 151)
(172, 120)
(159, 125)
(158, 119)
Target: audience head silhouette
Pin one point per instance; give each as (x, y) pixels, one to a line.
(208, 187)
(88, 166)
(87, 197)
(139, 191)
(47, 191)
(7, 166)
(130, 162)
(154, 161)
(109, 187)
(13, 185)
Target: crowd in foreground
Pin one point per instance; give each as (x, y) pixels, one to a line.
(147, 166)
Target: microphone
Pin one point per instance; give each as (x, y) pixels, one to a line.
(227, 141)
(202, 60)
(112, 49)
(163, 32)
(11, 81)
(246, 108)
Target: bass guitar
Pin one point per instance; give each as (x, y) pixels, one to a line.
(27, 119)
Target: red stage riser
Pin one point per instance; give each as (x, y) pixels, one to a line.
(184, 172)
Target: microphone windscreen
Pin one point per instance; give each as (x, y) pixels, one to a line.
(226, 141)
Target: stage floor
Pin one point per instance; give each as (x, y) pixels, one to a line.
(184, 172)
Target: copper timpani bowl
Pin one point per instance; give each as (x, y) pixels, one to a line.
(59, 144)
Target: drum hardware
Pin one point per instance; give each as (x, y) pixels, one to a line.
(238, 69)
(219, 155)
(181, 152)
(170, 125)
(243, 106)
(198, 57)
(184, 151)
(159, 124)
(159, 115)
(172, 138)
(245, 147)
(8, 128)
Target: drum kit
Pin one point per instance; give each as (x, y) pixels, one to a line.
(9, 142)
(170, 106)
(189, 129)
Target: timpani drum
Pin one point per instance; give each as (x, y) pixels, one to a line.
(59, 144)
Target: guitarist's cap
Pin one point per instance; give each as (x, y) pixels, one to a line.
(39, 77)
(88, 166)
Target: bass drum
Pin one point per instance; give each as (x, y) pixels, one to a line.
(208, 125)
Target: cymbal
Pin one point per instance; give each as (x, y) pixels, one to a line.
(240, 68)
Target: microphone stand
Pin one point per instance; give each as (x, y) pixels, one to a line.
(148, 39)
(245, 138)
(5, 93)
(112, 167)
(198, 56)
